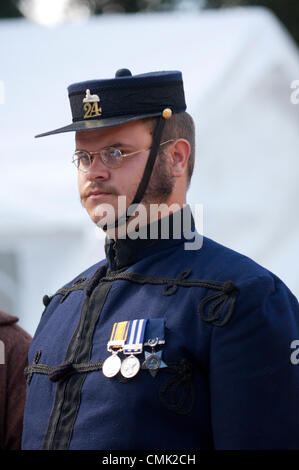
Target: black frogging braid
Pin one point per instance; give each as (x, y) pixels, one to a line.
(226, 295)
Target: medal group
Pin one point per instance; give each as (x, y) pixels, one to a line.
(130, 337)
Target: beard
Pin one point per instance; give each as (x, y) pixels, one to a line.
(161, 183)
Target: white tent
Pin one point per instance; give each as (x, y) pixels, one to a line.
(238, 66)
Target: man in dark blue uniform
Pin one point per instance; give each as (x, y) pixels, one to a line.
(173, 341)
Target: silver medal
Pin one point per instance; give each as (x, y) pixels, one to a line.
(153, 362)
(130, 366)
(111, 366)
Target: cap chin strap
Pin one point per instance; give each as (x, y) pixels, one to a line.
(145, 178)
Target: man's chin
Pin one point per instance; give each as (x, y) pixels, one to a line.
(104, 222)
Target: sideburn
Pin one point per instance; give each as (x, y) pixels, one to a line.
(161, 183)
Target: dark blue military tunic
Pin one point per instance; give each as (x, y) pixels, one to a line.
(229, 381)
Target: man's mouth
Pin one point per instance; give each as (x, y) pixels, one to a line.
(97, 194)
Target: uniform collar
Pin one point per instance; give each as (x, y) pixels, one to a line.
(122, 253)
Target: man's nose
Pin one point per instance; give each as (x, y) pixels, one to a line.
(98, 169)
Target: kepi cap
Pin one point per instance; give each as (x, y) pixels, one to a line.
(97, 104)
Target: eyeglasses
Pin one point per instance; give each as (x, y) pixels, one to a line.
(110, 156)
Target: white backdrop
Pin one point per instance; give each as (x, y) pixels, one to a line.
(237, 65)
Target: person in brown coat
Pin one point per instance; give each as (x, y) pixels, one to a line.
(14, 345)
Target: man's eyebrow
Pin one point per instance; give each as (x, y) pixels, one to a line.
(115, 145)
(120, 144)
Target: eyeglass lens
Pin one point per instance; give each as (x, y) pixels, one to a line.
(111, 157)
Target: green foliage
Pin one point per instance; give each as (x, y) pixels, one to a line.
(129, 6)
(8, 9)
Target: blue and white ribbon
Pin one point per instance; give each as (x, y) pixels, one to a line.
(134, 342)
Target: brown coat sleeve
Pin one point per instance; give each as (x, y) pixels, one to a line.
(12, 382)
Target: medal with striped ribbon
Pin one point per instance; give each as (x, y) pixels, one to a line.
(119, 333)
(134, 345)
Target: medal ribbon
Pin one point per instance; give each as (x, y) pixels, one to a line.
(134, 343)
(155, 330)
(119, 335)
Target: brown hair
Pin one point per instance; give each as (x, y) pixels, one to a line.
(180, 125)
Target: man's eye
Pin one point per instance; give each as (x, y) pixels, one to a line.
(115, 153)
(84, 159)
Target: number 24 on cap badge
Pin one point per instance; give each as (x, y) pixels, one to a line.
(91, 106)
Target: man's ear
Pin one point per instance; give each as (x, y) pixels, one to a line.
(180, 152)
